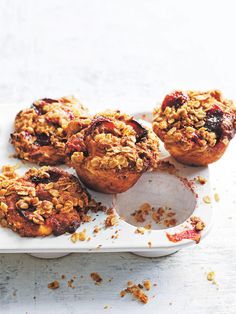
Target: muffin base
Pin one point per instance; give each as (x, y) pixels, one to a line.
(196, 157)
(108, 181)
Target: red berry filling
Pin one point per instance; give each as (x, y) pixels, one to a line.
(175, 99)
(214, 119)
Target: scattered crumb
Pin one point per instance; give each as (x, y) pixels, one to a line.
(96, 229)
(54, 285)
(147, 284)
(140, 230)
(150, 244)
(63, 276)
(198, 224)
(200, 180)
(211, 276)
(81, 236)
(110, 221)
(106, 307)
(166, 166)
(87, 218)
(96, 277)
(216, 196)
(70, 283)
(207, 199)
(148, 227)
(141, 214)
(110, 211)
(136, 291)
(164, 215)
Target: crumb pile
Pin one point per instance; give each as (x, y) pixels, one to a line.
(161, 215)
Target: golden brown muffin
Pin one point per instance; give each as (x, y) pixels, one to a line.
(112, 152)
(40, 131)
(196, 127)
(42, 202)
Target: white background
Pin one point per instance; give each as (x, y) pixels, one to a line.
(125, 54)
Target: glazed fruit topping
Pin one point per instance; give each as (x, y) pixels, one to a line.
(76, 144)
(39, 106)
(175, 99)
(49, 100)
(141, 132)
(107, 123)
(54, 176)
(214, 119)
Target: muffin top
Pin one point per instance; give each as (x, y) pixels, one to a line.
(43, 201)
(40, 131)
(193, 117)
(114, 141)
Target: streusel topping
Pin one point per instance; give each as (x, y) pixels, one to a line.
(114, 141)
(43, 201)
(40, 131)
(202, 118)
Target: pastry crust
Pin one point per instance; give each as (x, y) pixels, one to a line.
(40, 132)
(112, 152)
(43, 201)
(196, 127)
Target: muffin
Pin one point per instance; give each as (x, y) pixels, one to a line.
(112, 151)
(196, 127)
(43, 201)
(40, 132)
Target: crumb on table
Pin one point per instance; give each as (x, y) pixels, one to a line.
(96, 278)
(137, 291)
(54, 285)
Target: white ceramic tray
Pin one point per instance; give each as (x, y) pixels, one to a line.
(157, 188)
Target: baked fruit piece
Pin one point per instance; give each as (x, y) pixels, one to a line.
(111, 153)
(43, 201)
(196, 127)
(40, 131)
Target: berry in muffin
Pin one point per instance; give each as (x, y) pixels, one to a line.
(44, 201)
(112, 152)
(196, 127)
(40, 132)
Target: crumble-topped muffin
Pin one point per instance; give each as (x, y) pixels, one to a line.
(196, 127)
(44, 201)
(112, 152)
(40, 132)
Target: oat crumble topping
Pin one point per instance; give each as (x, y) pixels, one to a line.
(41, 131)
(114, 141)
(43, 201)
(191, 118)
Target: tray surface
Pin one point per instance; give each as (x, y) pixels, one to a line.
(158, 188)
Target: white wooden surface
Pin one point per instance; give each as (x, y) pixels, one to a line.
(125, 53)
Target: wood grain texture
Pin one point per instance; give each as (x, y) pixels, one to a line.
(125, 53)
